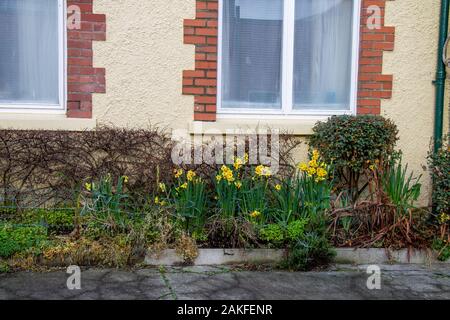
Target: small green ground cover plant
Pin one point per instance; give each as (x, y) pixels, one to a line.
(15, 239)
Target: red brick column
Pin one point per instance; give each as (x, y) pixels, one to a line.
(82, 78)
(202, 82)
(372, 84)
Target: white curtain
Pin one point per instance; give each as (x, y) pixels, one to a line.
(251, 53)
(323, 54)
(29, 52)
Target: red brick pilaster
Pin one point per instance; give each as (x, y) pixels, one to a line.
(372, 84)
(82, 78)
(202, 82)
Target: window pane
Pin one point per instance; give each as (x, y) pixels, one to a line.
(323, 54)
(29, 52)
(251, 53)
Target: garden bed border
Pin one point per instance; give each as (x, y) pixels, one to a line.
(208, 257)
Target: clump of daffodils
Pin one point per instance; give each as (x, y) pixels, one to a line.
(226, 174)
(240, 162)
(263, 171)
(315, 168)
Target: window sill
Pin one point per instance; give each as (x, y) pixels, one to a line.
(300, 127)
(44, 122)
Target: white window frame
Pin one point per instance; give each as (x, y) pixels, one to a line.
(62, 65)
(287, 110)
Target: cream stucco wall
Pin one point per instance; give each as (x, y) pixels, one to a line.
(144, 57)
(413, 64)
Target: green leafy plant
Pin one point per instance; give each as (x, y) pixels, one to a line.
(288, 197)
(439, 164)
(352, 144)
(315, 185)
(401, 189)
(190, 200)
(443, 248)
(309, 252)
(227, 187)
(105, 204)
(15, 239)
(253, 198)
(107, 197)
(296, 229)
(272, 233)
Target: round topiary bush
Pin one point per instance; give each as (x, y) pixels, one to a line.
(354, 143)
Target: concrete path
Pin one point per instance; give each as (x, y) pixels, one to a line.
(341, 282)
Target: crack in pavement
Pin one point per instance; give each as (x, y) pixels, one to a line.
(162, 272)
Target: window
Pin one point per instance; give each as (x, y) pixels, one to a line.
(32, 55)
(288, 57)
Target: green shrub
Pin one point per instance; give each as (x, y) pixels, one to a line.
(272, 233)
(15, 239)
(296, 229)
(352, 144)
(443, 249)
(280, 233)
(309, 252)
(440, 171)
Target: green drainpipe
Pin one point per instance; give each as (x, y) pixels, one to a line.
(441, 76)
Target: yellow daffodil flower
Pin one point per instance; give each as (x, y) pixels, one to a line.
(303, 167)
(246, 158)
(238, 163)
(190, 175)
(178, 173)
(321, 172)
(255, 214)
(313, 163)
(443, 218)
(311, 171)
(263, 171)
(316, 155)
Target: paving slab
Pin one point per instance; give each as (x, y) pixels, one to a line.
(225, 283)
